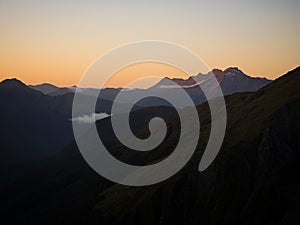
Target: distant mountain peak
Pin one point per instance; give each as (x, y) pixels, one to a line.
(45, 88)
(219, 74)
(166, 81)
(167, 78)
(231, 80)
(13, 82)
(46, 84)
(235, 70)
(217, 71)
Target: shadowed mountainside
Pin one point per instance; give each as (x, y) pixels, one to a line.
(34, 126)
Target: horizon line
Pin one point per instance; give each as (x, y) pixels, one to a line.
(200, 73)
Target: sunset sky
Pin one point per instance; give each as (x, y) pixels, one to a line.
(55, 41)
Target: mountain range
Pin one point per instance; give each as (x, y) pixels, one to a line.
(231, 80)
(45, 111)
(253, 180)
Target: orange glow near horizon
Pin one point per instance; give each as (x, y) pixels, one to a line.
(131, 73)
(56, 41)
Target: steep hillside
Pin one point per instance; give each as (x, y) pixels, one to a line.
(34, 126)
(254, 180)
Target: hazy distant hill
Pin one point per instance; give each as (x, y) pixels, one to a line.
(45, 88)
(254, 180)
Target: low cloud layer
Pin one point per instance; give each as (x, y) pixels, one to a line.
(92, 118)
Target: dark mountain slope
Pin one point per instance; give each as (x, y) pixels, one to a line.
(31, 129)
(254, 180)
(31, 120)
(64, 185)
(31, 125)
(34, 126)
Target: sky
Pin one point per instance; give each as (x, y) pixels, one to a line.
(55, 41)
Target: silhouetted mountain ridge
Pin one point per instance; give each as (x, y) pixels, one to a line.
(254, 179)
(231, 74)
(45, 88)
(232, 80)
